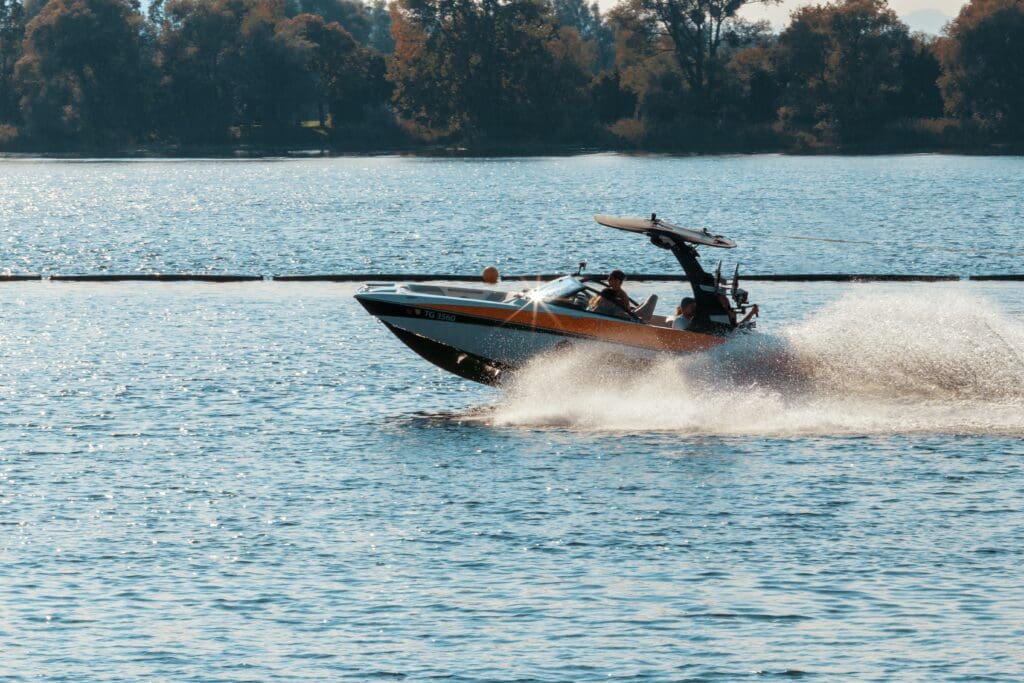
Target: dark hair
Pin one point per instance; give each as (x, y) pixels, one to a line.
(616, 275)
(687, 300)
(609, 293)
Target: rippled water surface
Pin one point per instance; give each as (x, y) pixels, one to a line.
(255, 481)
(908, 214)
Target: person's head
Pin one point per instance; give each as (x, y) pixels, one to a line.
(616, 278)
(687, 307)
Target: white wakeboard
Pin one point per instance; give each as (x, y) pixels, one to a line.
(646, 225)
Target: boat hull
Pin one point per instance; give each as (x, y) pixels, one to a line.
(458, 362)
(486, 340)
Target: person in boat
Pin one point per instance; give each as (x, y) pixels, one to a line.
(685, 311)
(615, 280)
(607, 303)
(754, 310)
(614, 301)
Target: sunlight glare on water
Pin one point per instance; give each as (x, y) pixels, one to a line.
(903, 214)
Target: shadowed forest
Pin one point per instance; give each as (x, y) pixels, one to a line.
(510, 76)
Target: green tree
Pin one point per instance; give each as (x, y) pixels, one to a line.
(355, 17)
(698, 33)
(588, 22)
(611, 101)
(671, 112)
(920, 96)
(348, 77)
(842, 68)
(489, 69)
(983, 63)
(12, 33)
(196, 53)
(80, 74)
(273, 85)
(231, 65)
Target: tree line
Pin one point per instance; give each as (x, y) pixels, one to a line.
(682, 75)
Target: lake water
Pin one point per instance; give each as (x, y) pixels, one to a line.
(909, 214)
(255, 481)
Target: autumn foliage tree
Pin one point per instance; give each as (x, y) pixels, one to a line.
(588, 22)
(351, 15)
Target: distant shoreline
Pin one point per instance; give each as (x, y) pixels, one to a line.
(490, 151)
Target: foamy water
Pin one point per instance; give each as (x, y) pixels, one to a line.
(869, 363)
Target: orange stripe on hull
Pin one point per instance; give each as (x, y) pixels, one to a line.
(598, 329)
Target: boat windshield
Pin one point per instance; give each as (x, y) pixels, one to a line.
(562, 288)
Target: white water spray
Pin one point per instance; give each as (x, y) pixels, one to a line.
(865, 364)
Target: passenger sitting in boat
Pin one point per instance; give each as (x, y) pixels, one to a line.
(607, 303)
(685, 311)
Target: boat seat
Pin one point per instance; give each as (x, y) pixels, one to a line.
(646, 309)
(660, 321)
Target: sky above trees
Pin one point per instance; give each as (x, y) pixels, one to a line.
(920, 15)
(914, 12)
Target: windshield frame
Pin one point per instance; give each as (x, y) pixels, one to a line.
(561, 289)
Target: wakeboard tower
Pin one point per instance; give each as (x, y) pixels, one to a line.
(485, 334)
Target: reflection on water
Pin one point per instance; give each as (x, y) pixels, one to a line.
(256, 481)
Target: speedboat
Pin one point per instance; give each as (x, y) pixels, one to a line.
(485, 334)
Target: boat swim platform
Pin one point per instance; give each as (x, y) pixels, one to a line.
(457, 277)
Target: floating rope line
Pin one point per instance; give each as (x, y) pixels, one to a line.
(156, 277)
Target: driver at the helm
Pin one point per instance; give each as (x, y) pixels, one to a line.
(614, 301)
(615, 280)
(607, 303)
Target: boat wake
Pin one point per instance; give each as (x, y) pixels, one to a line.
(875, 364)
